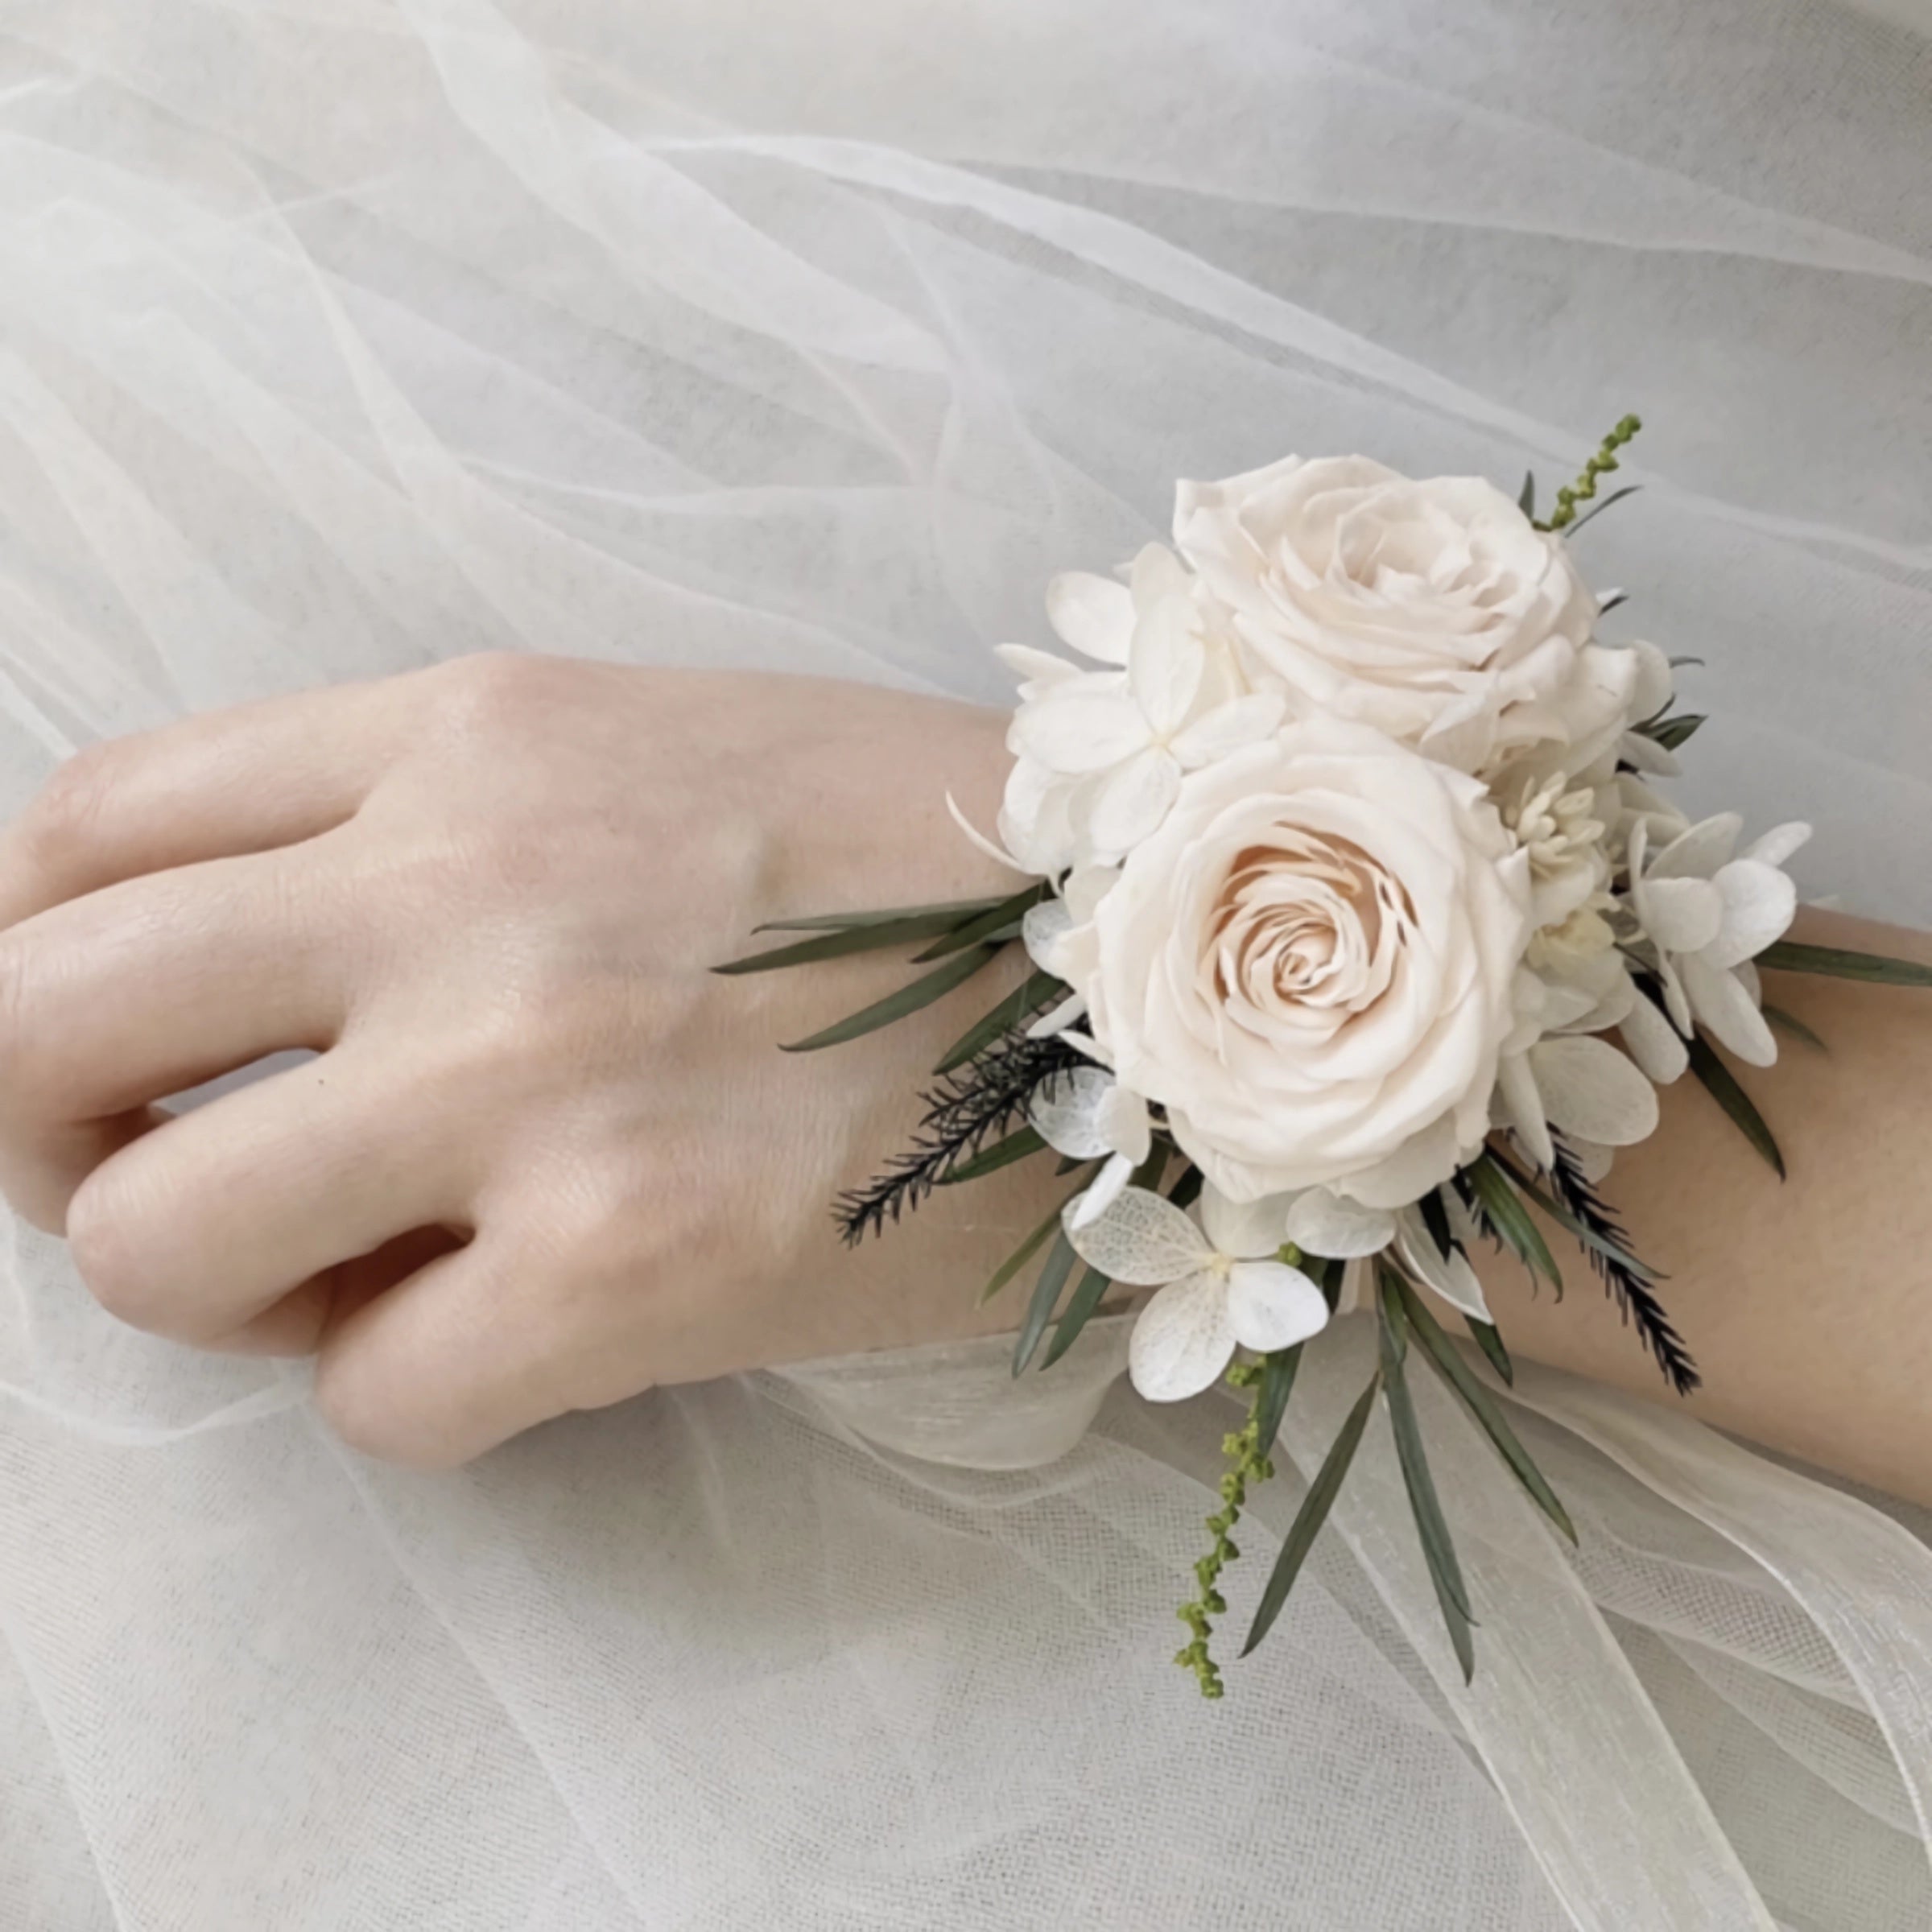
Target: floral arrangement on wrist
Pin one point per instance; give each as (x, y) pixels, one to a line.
(1357, 928)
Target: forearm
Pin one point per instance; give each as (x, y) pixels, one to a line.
(1807, 1303)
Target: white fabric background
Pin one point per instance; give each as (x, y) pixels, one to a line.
(337, 336)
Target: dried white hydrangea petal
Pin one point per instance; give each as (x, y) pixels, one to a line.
(1141, 1241)
(1182, 1340)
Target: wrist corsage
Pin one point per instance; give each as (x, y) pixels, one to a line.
(1357, 928)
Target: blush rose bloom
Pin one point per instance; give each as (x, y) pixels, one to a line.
(1434, 610)
(1309, 965)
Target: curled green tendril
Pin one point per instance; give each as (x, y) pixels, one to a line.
(1585, 486)
(1245, 1464)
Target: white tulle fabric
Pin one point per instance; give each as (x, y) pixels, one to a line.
(337, 336)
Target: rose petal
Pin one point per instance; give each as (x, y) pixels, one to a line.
(1331, 1225)
(1182, 1340)
(1682, 915)
(1244, 1230)
(1723, 1005)
(1123, 1120)
(1425, 1160)
(1450, 1275)
(1760, 902)
(1084, 889)
(1272, 1305)
(1141, 1241)
(1589, 1088)
(1093, 614)
(1657, 1046)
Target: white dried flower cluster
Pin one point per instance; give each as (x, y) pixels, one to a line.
(1357, 861)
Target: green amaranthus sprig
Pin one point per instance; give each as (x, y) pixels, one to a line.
(1583, 489)
(1247, 1463)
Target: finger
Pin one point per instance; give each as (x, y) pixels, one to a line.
(150, 987)
(456, 1359)
(201, 1226)
(247, 780)
(41, 1165)
(296, 1325)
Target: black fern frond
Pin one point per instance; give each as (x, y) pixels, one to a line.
(982, 1098)
(1627, 1278)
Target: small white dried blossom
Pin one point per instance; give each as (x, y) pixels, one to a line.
(1707, 915)
(1222, 1285)
(1100, 754)
(1556, 823)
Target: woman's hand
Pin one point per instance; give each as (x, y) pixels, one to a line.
(546, 1158)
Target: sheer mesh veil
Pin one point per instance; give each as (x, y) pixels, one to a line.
(336, 336)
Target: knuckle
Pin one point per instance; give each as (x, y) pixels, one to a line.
(489, 690)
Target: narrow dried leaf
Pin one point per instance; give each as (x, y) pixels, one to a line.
(1838, 962)
(990, 924)
(1672, 733)
(1015, 1146)
(944, 915)
(1616, 496)
(1045, 1298)
(1444, 1359)
(1494, 1188)
(1020, 1256)
(872, 938)
(1277, 1384)
(1721, 1083)
(1038, 990)
(1088, 1293)
(1432, 1529)
(1489, 1339)
(1793, 1025)
(1313, 1513)
(922, 993)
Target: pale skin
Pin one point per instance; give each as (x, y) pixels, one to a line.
(547, 1159)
